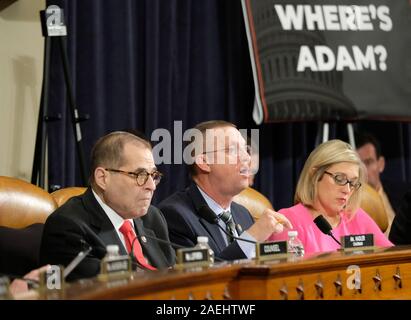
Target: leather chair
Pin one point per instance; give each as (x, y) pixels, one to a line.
(23, 204)
(254, 201)
(23, 210)
(62, 195)
(373, 205)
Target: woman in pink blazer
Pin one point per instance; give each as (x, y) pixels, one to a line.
(330, 185)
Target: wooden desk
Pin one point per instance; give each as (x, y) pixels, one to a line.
(384, 274)
(193, 284)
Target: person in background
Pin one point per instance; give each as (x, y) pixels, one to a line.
(330, 185)
(115, 209)
(369, 150)
(220, 170)
(400, 233)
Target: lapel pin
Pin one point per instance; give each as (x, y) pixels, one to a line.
(143, 238)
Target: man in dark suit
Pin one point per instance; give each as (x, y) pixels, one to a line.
(401, 227)
(115, 209)
(220, 169)
(369, 150)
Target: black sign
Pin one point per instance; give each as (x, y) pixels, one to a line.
(330, 60)
(193, 256)
(116, 265)
(270, 250)
(357, 241)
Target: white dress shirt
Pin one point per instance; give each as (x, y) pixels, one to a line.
(116, 220)
(246, 247)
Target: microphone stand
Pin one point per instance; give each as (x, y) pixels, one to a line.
(332, 236)
(234, 237)
(76, 261)
(134, 260)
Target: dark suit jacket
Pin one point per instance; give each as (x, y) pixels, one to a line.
(395, 191)
(181, 211)
(82, 218)
(19, 249)
(401, 227)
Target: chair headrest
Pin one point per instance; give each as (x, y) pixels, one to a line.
(23, 204)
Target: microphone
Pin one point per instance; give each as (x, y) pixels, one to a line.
(325, 227)
(89, 243)
(88, 239)
(207, 214)
(134, 259)
(98, 247)
(76, 261)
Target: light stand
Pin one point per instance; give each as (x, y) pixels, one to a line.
(54, 29)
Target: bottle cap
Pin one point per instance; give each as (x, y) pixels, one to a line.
(202, 239)
(112, 249)
(293, 233)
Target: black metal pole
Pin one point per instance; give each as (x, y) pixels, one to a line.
(74, 111)
(39, 162)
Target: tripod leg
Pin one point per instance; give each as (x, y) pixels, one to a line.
(74, 112)
(39, 162)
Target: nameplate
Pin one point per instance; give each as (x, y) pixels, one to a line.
(271, 250)
(115, 267)
(190, 257)
(357, 241)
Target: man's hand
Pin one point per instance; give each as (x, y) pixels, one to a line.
(19, 285)
(270, 222)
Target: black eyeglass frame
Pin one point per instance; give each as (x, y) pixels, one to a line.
(344, 181)
(248, 149)
(156, 175)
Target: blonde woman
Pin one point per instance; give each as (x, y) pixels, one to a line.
(330, 185)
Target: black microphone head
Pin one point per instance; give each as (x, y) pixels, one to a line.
(207, 214)
(323, 225)
(97, 245)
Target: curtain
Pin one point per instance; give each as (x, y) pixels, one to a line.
(145, 64)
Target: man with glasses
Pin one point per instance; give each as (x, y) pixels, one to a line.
(115, 209)
(220, 170)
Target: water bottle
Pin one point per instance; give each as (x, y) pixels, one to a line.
(112, 251)
(295, 246)
(202, 242)
(113, 262)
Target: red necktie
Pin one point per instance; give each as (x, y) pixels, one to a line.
(131, 241)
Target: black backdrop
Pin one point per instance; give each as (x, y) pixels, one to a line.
(144, 64)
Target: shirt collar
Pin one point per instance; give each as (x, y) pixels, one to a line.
(114, 217)
(214, 206)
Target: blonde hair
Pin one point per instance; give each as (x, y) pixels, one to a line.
(320, 159)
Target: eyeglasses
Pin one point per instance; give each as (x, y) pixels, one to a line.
(233, 150)
(140, 177)
(341, 180)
